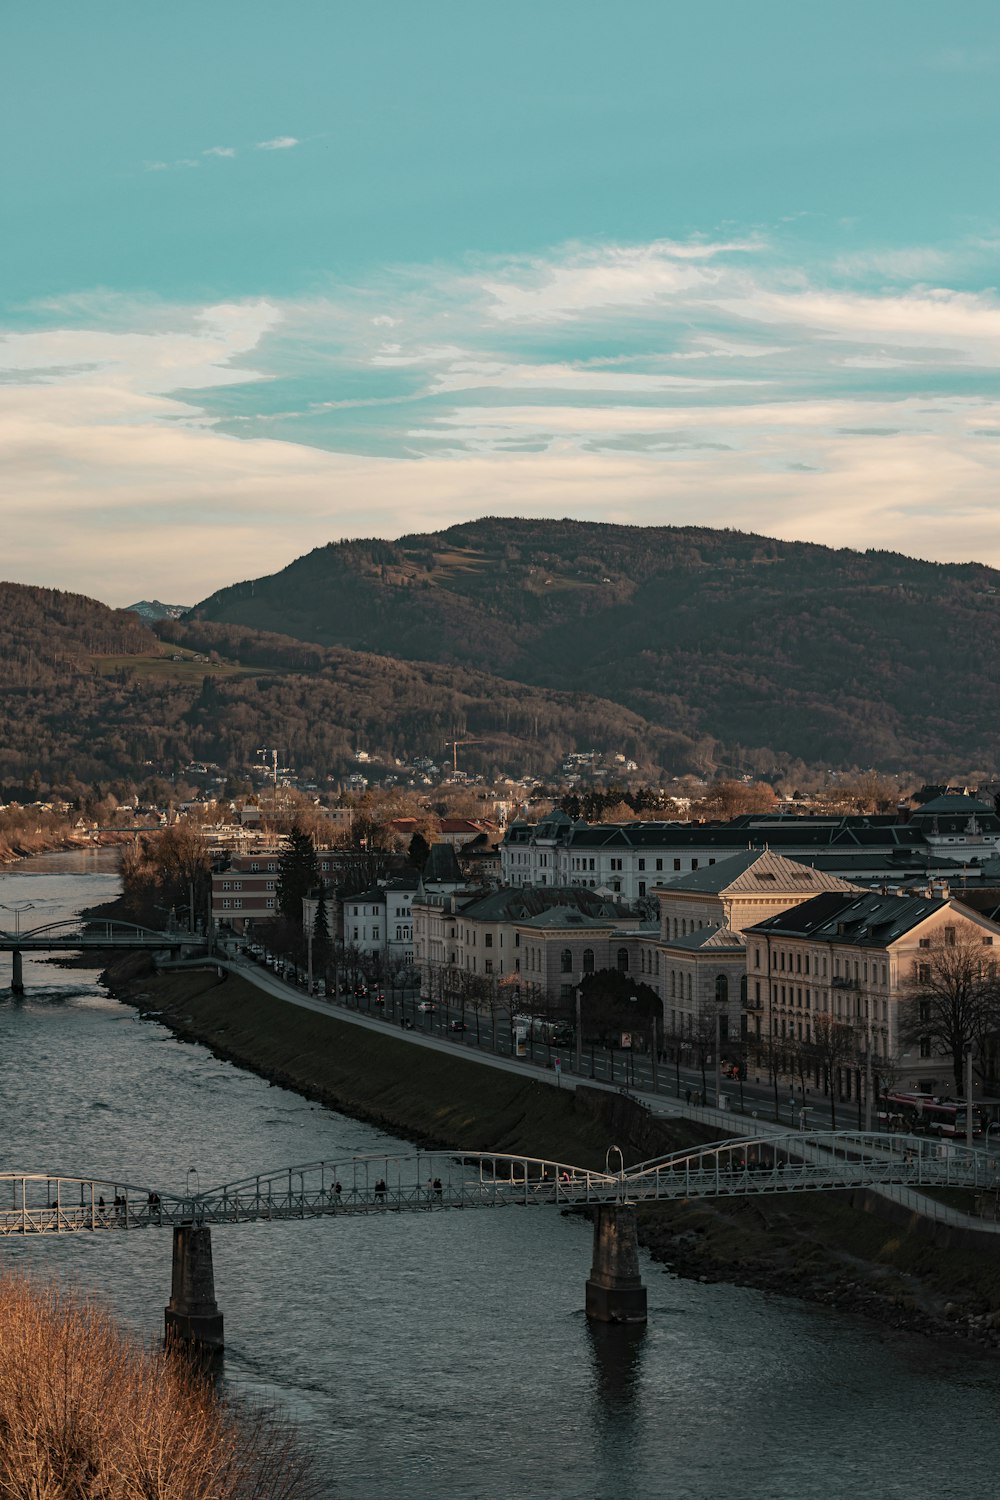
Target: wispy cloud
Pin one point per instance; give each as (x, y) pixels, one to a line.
(279, 143)
(170, 166)
(719, 383)
(219, 151)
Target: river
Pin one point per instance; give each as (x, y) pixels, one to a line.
(441, 1355)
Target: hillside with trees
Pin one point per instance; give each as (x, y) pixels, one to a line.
(683, 649)
(768, 649)
(92, 697)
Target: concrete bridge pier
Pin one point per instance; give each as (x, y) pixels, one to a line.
(615, 1293)
(192, 1315)
(16, 973)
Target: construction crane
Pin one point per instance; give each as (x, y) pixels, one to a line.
(454, 749)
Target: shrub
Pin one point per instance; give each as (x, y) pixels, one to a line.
(87, 1412)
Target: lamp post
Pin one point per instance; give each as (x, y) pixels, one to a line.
(17, 907)
(718, 1056)
(968, 1095)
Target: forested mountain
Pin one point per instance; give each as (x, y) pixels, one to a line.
(682, 648)
(784, 649)
(90, 695)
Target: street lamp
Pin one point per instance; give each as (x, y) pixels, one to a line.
(17, 907)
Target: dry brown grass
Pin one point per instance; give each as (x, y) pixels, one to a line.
(88, 1413)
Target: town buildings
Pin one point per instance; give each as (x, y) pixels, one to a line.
(951, 835)
(857, 959)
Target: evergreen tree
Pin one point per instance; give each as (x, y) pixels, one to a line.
(321, 933)
(418, 852)
(298, 874)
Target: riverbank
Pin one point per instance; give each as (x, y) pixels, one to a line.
(825, 1248)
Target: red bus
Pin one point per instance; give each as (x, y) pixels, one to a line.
(935, 1116)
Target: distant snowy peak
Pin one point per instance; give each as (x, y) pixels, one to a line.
(153, 609)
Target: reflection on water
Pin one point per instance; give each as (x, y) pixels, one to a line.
(446, 1354)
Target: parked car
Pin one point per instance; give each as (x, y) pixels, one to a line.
(426, 1007)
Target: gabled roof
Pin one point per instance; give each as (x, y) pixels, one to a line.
(519, 903)
(708, 938)
(563, 917)
(756, 872)
(442, 866)
(953, 803)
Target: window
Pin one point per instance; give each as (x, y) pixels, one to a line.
(659, 864)
(489, 966)
(949, 937)
(642, 887)
(924, 943)
(721, 990)
(254, 867)
(374, 934)
(925, 1046)
(269, 903)
(694, 864)
(488, 940)
(923, 972)
(566, 961)
(623, 960)
(642, 864)
(677, 864)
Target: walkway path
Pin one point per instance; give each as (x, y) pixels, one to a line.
(715, 1119)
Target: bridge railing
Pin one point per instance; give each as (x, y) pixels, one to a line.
(36, 1203)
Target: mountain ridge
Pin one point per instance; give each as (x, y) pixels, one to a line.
(784, 648)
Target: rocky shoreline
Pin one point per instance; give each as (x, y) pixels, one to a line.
(825, 1248)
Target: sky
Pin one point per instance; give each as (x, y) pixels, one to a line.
(275, 275)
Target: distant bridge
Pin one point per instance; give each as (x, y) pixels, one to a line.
(33, 1203)
(71, 937)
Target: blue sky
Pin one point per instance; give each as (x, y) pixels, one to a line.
(275, 275)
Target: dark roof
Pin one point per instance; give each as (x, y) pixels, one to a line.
(519, 903)
(871, 920)
(953, 803)
(442, 865)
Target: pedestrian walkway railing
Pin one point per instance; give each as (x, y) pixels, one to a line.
(36, 1203)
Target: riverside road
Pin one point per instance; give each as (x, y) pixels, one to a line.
(751, 1099)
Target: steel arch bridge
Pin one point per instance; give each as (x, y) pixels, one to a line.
(72, 936)
(823, 1161)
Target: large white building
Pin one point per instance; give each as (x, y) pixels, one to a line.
(952, 836)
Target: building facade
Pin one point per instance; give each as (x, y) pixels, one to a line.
(849, 960)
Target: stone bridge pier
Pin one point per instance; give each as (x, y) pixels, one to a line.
(615, 1293)
(16, 973)
(192, 1315)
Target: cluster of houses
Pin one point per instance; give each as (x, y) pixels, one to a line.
(774, 924)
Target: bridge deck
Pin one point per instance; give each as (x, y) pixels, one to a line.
(34, 1203)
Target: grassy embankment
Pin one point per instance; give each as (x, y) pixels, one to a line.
(824, 1247)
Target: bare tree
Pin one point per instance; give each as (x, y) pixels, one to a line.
(835, 1047)
(950, 999)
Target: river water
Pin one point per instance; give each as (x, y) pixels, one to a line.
(444, 1354)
